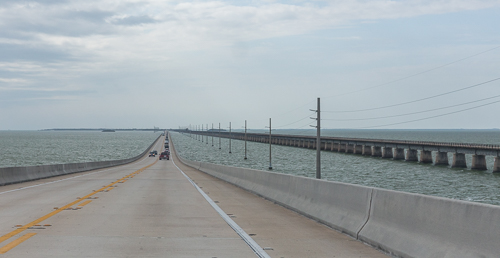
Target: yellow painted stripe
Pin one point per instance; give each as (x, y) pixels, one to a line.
(84, 203)
(15, 243)
(39, 220)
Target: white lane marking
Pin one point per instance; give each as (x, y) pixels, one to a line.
(250, 242)
(57, 181)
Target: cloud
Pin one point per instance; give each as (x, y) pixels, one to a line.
(109, 48)
(133, 20)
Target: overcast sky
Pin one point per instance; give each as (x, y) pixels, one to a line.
(145, 63)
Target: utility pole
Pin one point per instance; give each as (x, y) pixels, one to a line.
(245, 139)
(230, 137)
(318, 141)
(270, 144)
(219, 136)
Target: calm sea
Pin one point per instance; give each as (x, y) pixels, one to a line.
(31, 148)
(463, 184)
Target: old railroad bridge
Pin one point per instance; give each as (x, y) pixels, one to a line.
(417, 151)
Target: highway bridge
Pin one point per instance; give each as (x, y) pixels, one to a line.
(152, 208)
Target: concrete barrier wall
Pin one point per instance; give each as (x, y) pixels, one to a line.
(414, 225)
(12, 175)
(403, 224)
(342, 206)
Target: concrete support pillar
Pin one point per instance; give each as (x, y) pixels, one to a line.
(323, 145)
(358, 149)
(399, 154)
(387, 153)
(496, 166)
(331, 146)
(342, 147)
(441, 158)
(425, 156)
(349, 148)
(367, 150)
(459, 160)
(411, 155)
(478, 162)
(377, 151)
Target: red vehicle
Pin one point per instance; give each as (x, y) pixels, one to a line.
(164, 155)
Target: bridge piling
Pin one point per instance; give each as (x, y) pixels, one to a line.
(377, 151)
(411, 155)
(459, 160)
(441, 158)
(358, 149)
(349, 148)
(387, 153)
(478, 162)
(496, 166)
(367, 150)
(425, 156)
(399, 154)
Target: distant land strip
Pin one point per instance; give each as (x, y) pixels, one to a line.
(101, 129)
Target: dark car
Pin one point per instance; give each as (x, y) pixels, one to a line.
(164, 155)
(153, 154)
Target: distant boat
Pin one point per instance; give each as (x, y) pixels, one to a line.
(108, 131)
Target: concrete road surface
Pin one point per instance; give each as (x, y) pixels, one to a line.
(150, 209)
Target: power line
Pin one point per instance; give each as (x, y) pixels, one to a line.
(426, 118)
(383, 84)
(413, 113)
(295, 121)
(413, 75)
(413, 101)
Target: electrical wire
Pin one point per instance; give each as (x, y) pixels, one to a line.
(308, 116)
(413, 113)
(393, 81)
(426, 118)
(413, 75)
(413, 101)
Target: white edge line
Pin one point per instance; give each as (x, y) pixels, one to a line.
(250, 242)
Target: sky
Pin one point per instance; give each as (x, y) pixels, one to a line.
(378, 64)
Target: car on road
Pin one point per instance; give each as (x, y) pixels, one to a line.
(153, 154)
(164, 155)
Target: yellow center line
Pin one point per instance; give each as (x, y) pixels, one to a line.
(15, 243)
(37, 221)
(84, 203)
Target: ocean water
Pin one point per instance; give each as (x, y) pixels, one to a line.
(32, 148)
(462, 184)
